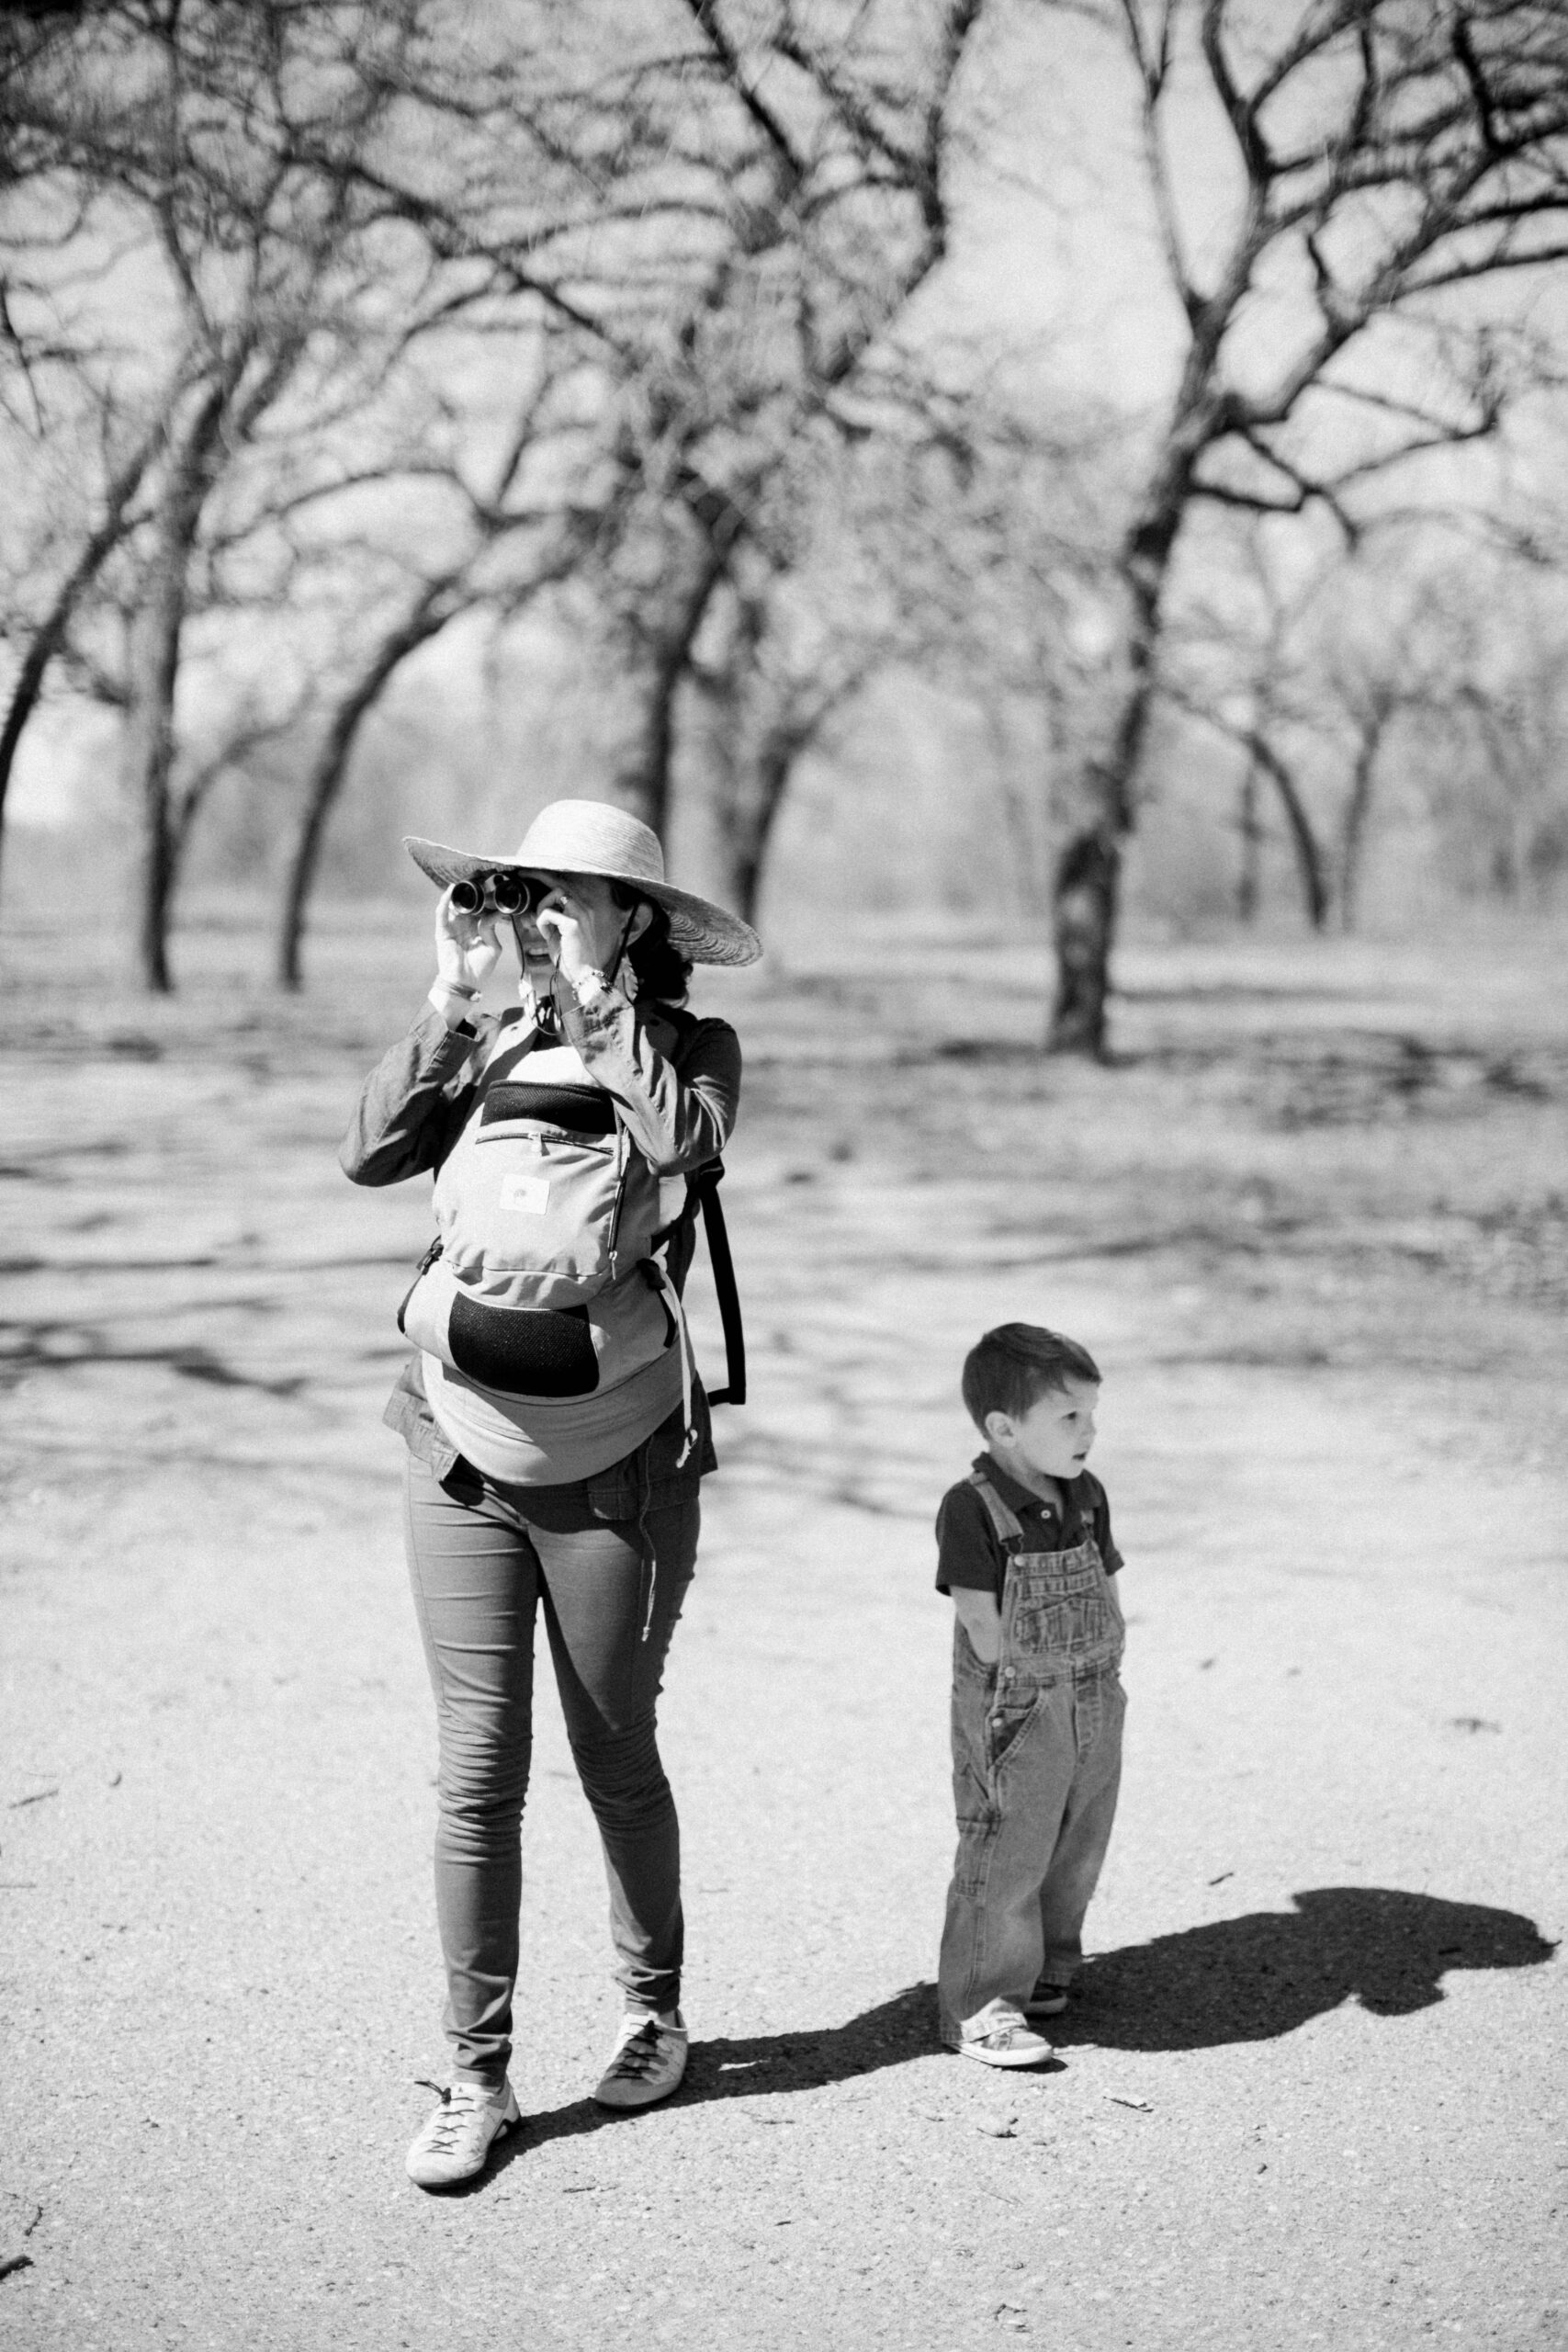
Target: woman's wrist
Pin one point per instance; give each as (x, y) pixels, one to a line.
(453, 999)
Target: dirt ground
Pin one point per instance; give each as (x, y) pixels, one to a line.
(1314, 1225)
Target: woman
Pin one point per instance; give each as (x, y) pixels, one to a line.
(556, 1431)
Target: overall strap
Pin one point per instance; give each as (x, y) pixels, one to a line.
(1008, 1525)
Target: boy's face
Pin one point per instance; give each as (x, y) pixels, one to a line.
(1053, 1437)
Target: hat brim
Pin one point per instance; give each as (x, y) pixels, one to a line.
(698, 929)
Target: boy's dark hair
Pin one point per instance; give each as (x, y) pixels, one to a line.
(1006, 1370)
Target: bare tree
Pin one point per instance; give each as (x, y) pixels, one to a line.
(1497, 776)
(1305, 660)
(46, 637)
(724, 216)
(521, 532)
(768, 679)
(947, 530)
(746, 203)
(1395, 159)
(1370, 697)
(204, 149)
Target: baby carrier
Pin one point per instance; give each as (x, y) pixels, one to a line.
(561, 1253)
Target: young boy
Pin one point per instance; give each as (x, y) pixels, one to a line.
(1025, 1550)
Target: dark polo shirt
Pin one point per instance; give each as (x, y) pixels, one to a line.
(969, 1551)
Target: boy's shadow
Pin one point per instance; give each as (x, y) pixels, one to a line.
(1269, 1972)
(1238, 1980)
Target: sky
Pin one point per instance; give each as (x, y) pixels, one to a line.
(1056, 241)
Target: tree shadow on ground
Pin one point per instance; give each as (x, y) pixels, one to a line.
(1247, 1979)
(31, 1347)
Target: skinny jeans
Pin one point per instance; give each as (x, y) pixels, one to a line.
(485, 1559)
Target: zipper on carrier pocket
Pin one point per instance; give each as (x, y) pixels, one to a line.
(420, 1273)
(623, 1144)
(517, 1131)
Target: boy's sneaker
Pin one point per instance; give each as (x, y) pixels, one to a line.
(1048, 2000)
(456, 2142)
(1005, 2041)
(647, 2061)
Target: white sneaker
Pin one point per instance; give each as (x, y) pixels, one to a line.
(647, 2061)
(1002, 2040)
(456, 2142)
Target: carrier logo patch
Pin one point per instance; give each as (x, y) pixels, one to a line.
(524, 1196)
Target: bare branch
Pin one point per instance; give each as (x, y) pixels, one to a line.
(792, 164)
(49, 636)
(1154, 65)
(1241, 113)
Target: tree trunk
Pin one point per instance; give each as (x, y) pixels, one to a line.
(775, 766)
(148, 761)
(1086, 887)
(1087, 881)
(1310, 863)
(148, 753)
(1358, 807)
(430, 613)
(643, 781)
(715, 735)
(1249, 880)
(1086, 891)
(51, 633)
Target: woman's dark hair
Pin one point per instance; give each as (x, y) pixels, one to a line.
(662, 970)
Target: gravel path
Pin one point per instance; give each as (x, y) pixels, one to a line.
(1312, 2091)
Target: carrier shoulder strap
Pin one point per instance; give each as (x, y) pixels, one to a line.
(702, 1191)
(1008, 1525)
(702, 1186)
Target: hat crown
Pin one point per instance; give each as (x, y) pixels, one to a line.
(591, 837)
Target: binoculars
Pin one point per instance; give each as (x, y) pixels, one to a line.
(505, 893)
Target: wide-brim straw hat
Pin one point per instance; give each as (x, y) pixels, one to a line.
(594, 837)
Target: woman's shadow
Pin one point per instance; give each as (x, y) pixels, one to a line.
(1239, 1980)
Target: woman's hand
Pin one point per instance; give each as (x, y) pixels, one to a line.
(570, 933)
(466, 947)
(584, 928)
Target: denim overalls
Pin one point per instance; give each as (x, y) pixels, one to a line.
(1036, 1760)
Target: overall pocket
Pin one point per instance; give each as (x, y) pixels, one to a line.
(1009, 1719)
